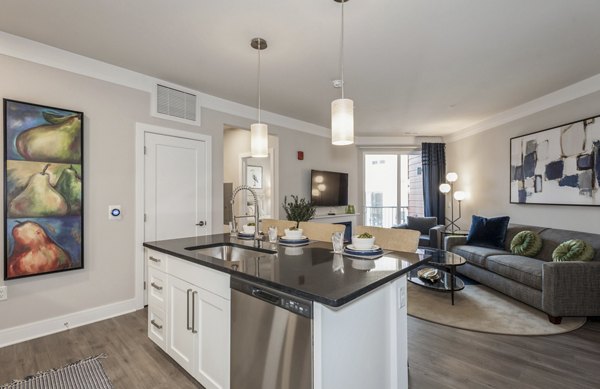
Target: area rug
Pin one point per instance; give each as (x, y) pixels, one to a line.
(479, 308)
(85, 374)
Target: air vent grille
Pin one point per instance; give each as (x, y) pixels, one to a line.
(173, 102)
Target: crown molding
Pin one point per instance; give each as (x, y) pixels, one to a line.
(553, 99)
(394, 141)
(36, 52)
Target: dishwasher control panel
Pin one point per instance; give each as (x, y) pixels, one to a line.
(297, 307)
(294, 304)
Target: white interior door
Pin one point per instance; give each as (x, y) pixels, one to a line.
(176, 188)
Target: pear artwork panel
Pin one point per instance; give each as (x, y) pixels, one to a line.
(43, 189)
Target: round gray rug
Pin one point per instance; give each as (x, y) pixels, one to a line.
(479, 308)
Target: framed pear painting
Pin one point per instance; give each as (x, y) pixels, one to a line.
(43, 189)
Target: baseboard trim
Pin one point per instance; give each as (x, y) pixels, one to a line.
(57, 324)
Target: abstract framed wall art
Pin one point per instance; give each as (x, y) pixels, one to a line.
(43, 189)
(560, 165)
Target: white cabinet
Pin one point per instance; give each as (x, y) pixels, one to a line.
(195, 331)
(211, 366)
(180, 336)
(157, 281)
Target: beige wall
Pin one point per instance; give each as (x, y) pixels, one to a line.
(482, 163)
(111, 112)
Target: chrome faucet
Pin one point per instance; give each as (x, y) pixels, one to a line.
(256, 213)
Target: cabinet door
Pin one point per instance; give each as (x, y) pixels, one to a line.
(212, 341)
(180, 339)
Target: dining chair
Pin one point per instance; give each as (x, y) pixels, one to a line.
(280, 224)
(320, 231)
(392, 238)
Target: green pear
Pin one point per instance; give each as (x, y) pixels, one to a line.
(56, 142)
(38, 199)
(69, 186)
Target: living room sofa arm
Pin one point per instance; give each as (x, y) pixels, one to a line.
(453, 240)
(571, 288)
(436, 236)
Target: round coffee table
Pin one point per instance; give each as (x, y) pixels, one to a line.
(446, 262)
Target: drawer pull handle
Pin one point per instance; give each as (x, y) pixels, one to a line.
(157, 260)
(194, 330)
(156, 286)
(188, 310)
(156, 325)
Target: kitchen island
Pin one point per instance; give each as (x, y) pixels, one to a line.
(356, 310)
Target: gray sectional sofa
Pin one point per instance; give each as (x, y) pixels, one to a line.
(556, 288)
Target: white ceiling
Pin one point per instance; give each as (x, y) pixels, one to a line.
(427, 67)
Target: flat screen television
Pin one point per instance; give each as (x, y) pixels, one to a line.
(328, 189)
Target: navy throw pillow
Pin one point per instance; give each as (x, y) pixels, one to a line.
(488, 232)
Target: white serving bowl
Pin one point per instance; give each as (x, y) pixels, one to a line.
(294, 251)
(362, 243)
(248, 229)
(293, 234)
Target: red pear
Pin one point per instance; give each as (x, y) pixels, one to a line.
(35, 252)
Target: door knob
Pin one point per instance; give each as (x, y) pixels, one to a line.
(201, 223)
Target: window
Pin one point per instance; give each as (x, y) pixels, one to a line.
(392, 188)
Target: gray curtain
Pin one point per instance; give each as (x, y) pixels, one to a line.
(434, 174)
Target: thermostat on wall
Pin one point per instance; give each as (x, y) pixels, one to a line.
(114, 212)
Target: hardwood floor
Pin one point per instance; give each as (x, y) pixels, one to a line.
(445, 357)
(440, 357)
(133, 362)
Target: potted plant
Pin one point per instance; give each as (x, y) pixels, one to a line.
(298, 210)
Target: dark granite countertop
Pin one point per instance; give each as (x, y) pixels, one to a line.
(311, 272)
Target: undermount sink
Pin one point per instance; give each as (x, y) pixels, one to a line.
(230, 253)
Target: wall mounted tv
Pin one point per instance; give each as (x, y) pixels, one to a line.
(328, 188)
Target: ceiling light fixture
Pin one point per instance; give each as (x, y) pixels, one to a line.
(259, 132)
(342, 110)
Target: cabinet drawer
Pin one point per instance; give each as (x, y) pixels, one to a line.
(156, 260)
(157, 327)
(157, 289)
(212, 280)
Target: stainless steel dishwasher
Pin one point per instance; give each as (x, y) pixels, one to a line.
(271, 338)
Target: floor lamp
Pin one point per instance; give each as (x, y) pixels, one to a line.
(459, 196)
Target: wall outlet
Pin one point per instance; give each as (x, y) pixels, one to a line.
(3, 292)
(401, 297)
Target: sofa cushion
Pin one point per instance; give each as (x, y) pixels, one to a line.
(526, 243)
(525, 270)
(573, 250)
(421, 224)
(489, 232)
(553, 237)
(477, 255)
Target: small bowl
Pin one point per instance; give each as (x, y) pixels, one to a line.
(362, 243)
(363, 264)
(294, 251)
(248, 229)
(293, 234)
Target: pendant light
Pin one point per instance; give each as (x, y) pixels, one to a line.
(259, 132)
(342, 110)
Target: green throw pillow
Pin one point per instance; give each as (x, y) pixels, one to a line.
(573, 250)
(526, 243)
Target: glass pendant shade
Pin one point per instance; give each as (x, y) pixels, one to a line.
(342, 122)
(259, 140)
(445, 188)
